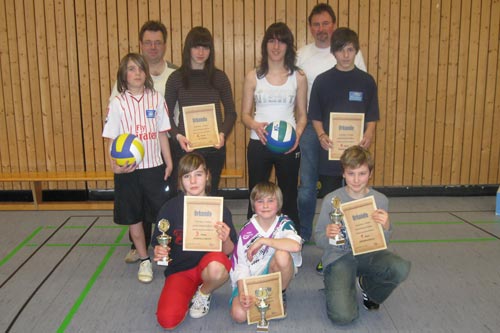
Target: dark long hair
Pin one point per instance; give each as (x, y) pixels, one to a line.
(281, 32)
(121, 80)
(198, 36)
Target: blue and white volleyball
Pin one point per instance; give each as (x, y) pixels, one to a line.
(280, 137)
(127, 149)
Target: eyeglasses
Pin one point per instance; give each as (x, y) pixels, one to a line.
(321, 24)
(149, 43)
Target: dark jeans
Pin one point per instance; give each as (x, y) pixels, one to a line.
(260, 164)
(382, 272)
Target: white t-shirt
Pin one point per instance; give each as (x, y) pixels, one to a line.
(314, 61)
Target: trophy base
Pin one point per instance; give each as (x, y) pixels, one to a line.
(262, 328)
(163, 262)
(337, 242)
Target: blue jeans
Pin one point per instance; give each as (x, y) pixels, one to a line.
(382, 272)
(306, 200)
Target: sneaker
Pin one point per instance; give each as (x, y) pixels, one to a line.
(132, 256)
(200, 304)
(319, 267)
(145, 274)
(367, 302)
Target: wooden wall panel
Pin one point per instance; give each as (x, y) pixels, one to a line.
(412, 94)
(493, 102)
(436, 66)
(402, 90)
(5, 157)
(443, 44)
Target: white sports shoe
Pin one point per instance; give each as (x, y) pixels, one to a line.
(200, 304)
(145, 274)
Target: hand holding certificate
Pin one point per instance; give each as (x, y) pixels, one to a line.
(365, 234)
(200, 123)
(346, 130)
(200, 217)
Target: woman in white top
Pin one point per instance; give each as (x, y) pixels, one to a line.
(278, 89)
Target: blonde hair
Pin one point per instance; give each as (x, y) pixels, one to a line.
(266, 189)
(356, 156)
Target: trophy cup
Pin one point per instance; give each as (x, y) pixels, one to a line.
(336, 217)
(262, 295)
(164, 240)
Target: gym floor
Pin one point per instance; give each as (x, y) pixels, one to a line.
(64, 272)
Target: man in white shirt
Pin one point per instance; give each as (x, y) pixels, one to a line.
(153, 44)
(314, 59)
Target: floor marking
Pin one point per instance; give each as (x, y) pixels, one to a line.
(456, 240)
(476, 226)
(428, 222)
(49, 274)
(81, 298)
(20, 246)
(81, 244)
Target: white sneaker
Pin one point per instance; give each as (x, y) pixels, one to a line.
(145, 274)
(200, 304)
(132, 256)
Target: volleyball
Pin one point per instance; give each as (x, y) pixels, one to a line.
(127, 148)
(280, 137)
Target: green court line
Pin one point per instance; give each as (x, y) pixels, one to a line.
(74, 309)
(20, 246)
(485, 222)
(428, 222)
(456, 240)
(452, 240)
(96, 227)
(82, 244)
(444, 222)
(104, 244)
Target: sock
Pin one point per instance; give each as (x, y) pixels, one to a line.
(144, 259)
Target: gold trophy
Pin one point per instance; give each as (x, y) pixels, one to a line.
(336, 216)
(164, 240)
(262, 295)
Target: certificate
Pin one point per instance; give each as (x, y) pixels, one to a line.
(200, 124)
(275, 300)
(365, 234)
(200, 215)
(346, 130)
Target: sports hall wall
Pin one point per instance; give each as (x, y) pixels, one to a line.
(436, 63)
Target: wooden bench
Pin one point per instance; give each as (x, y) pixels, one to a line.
(36, 180)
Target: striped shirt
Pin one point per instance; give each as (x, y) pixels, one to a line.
(145, 116)
(200, 92)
